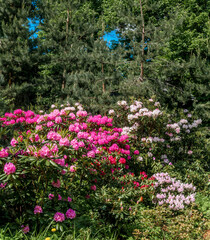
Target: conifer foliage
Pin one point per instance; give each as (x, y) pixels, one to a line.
(17, 53)
(78, 63)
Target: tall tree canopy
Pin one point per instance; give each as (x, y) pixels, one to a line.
(163, 50)
(18, 59)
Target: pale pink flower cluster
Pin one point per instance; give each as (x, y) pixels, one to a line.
(152, 139)
(172, 192)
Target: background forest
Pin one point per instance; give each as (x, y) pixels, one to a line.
(162, 50)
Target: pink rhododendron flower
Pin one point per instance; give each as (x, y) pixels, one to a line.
(51, 196)
(4, 153)
(136, 152)
(13, 142)
(58, 120)
(18, 111)
(29, 114)
(39, 127)
(56, 184)
(81, 113)
(9, 168)
(3, 185)
(21, 119)
(64, 142)
(38, 209)
(59, 197)
(59, 217)
(93, 187)
(69, 199)
(91, 154)
(60, 162)
(50, 124)
(70, 213)
(72, 168)
(25, 229)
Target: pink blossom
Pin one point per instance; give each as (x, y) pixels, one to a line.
(93, 187)
(64, 142)
(69, 199)
(56, 184)
(136, 152)
(38, 209)
(9, 168)
(44, 151)
(91, 154)
(50, 124)
(81, 113)
(60, 162)
(59, 197)
(58, 120)
(59, 217)
(72, 116)
(51, 196)
(21, 119)
(3, 185)
(13, 142)
(72, 168)
(18, 111)
(70, 213)
(29, 114)
(39, 127)
(4, 153)
(25, 229)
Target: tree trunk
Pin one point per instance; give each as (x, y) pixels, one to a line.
(143, 36)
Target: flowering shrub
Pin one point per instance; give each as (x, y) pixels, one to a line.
(61, 161)
(60, 164)
(165, 142)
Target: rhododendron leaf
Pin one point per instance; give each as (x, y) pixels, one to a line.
(3, 176)
(39, 178)
(55, 165)
(47, 163)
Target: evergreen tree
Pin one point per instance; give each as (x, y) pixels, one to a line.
(170, 40)
(18, 61)
(78, 64)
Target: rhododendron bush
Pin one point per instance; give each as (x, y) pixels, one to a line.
(163, 141)
(60, 164)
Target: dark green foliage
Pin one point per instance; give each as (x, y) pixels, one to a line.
(176, 50)
(78, 64)
(73, 62)
(18, 60)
